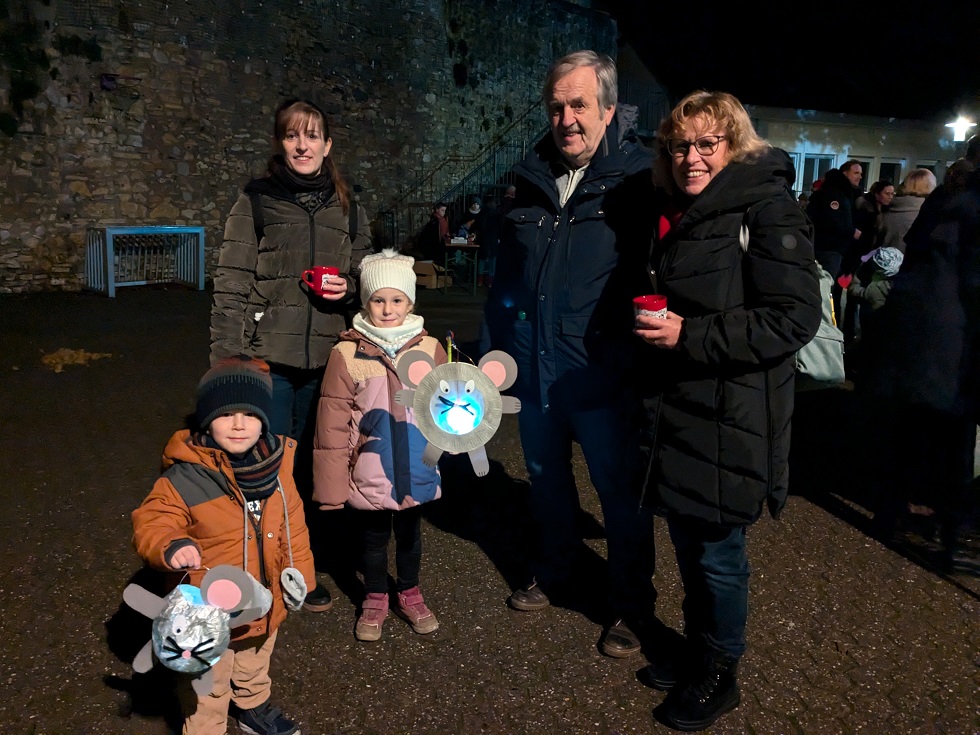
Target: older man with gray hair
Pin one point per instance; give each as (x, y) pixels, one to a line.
(571, 256)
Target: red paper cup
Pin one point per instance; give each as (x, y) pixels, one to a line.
(653, 305)
(318, 276)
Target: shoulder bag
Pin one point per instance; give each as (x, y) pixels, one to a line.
(820, 362)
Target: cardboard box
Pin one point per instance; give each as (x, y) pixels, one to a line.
(428, 274)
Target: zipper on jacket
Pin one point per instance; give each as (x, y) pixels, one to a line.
(309, 302)
(257, 529)
(769, 435)
(644, 487)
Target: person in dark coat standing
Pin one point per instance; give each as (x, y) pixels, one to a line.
(560, 306)
(732, 255)
(869, 212)
(433, 239)
(488, 241)
(831, 209)
(923, 372)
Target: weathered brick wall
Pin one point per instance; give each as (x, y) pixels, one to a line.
(173, 137)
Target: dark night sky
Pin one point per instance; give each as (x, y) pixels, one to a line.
(893, 59)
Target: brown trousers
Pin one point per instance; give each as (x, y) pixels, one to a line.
(240, 676)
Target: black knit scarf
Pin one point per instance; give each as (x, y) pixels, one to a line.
(257, 470)
(299, 183)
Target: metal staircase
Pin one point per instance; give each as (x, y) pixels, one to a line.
(487, 173)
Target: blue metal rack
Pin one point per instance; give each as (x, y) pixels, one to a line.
(138, 256)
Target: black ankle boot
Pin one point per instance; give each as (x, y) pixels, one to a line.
(699, 701)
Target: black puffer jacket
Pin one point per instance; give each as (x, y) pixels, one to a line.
(561, 302)
(719, 405)
(260, 306)
(831, 209)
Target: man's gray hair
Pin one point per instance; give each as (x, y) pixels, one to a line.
(605, 71)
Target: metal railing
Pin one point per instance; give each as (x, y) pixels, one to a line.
(486, 172)
(489, 177)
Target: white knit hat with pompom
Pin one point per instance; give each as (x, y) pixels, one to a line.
(387, 269)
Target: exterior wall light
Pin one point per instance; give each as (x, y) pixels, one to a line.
(960, 127)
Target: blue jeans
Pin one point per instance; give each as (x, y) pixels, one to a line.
(488, 265)
(608, 443)
(294, 400)
(715, 572)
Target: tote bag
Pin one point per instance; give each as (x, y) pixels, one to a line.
(820, 362)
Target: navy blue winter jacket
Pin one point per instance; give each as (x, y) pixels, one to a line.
(561, 301)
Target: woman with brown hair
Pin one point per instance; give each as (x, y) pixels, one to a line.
(298, 215)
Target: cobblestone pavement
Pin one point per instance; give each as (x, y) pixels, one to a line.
(845, 635)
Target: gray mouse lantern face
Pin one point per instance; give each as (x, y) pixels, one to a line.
(192, 626)
(189, 635)
(462, 411)
(458, 405)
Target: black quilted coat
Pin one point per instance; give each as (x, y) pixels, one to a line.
(719, 405)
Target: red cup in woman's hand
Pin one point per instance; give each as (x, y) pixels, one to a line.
(653, 305)
(318, 276)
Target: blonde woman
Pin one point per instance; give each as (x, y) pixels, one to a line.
(719, 378)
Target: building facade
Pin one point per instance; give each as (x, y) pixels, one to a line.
(888, 148)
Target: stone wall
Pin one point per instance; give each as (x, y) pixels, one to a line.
(152, 113)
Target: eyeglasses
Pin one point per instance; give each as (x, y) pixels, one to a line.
(705, 146)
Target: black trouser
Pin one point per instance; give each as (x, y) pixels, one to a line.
(377, 526)
(294, 403)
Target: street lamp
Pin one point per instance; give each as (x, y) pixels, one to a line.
(960, 127)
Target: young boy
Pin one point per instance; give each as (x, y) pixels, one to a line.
(230, 475)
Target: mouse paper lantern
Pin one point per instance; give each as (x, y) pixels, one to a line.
(192, 627)
(458, 405)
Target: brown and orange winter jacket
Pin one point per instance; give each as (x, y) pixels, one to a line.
(206, 506)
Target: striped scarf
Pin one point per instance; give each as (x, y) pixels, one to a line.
(257, 470)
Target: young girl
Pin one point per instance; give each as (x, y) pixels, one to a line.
(368, 449)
